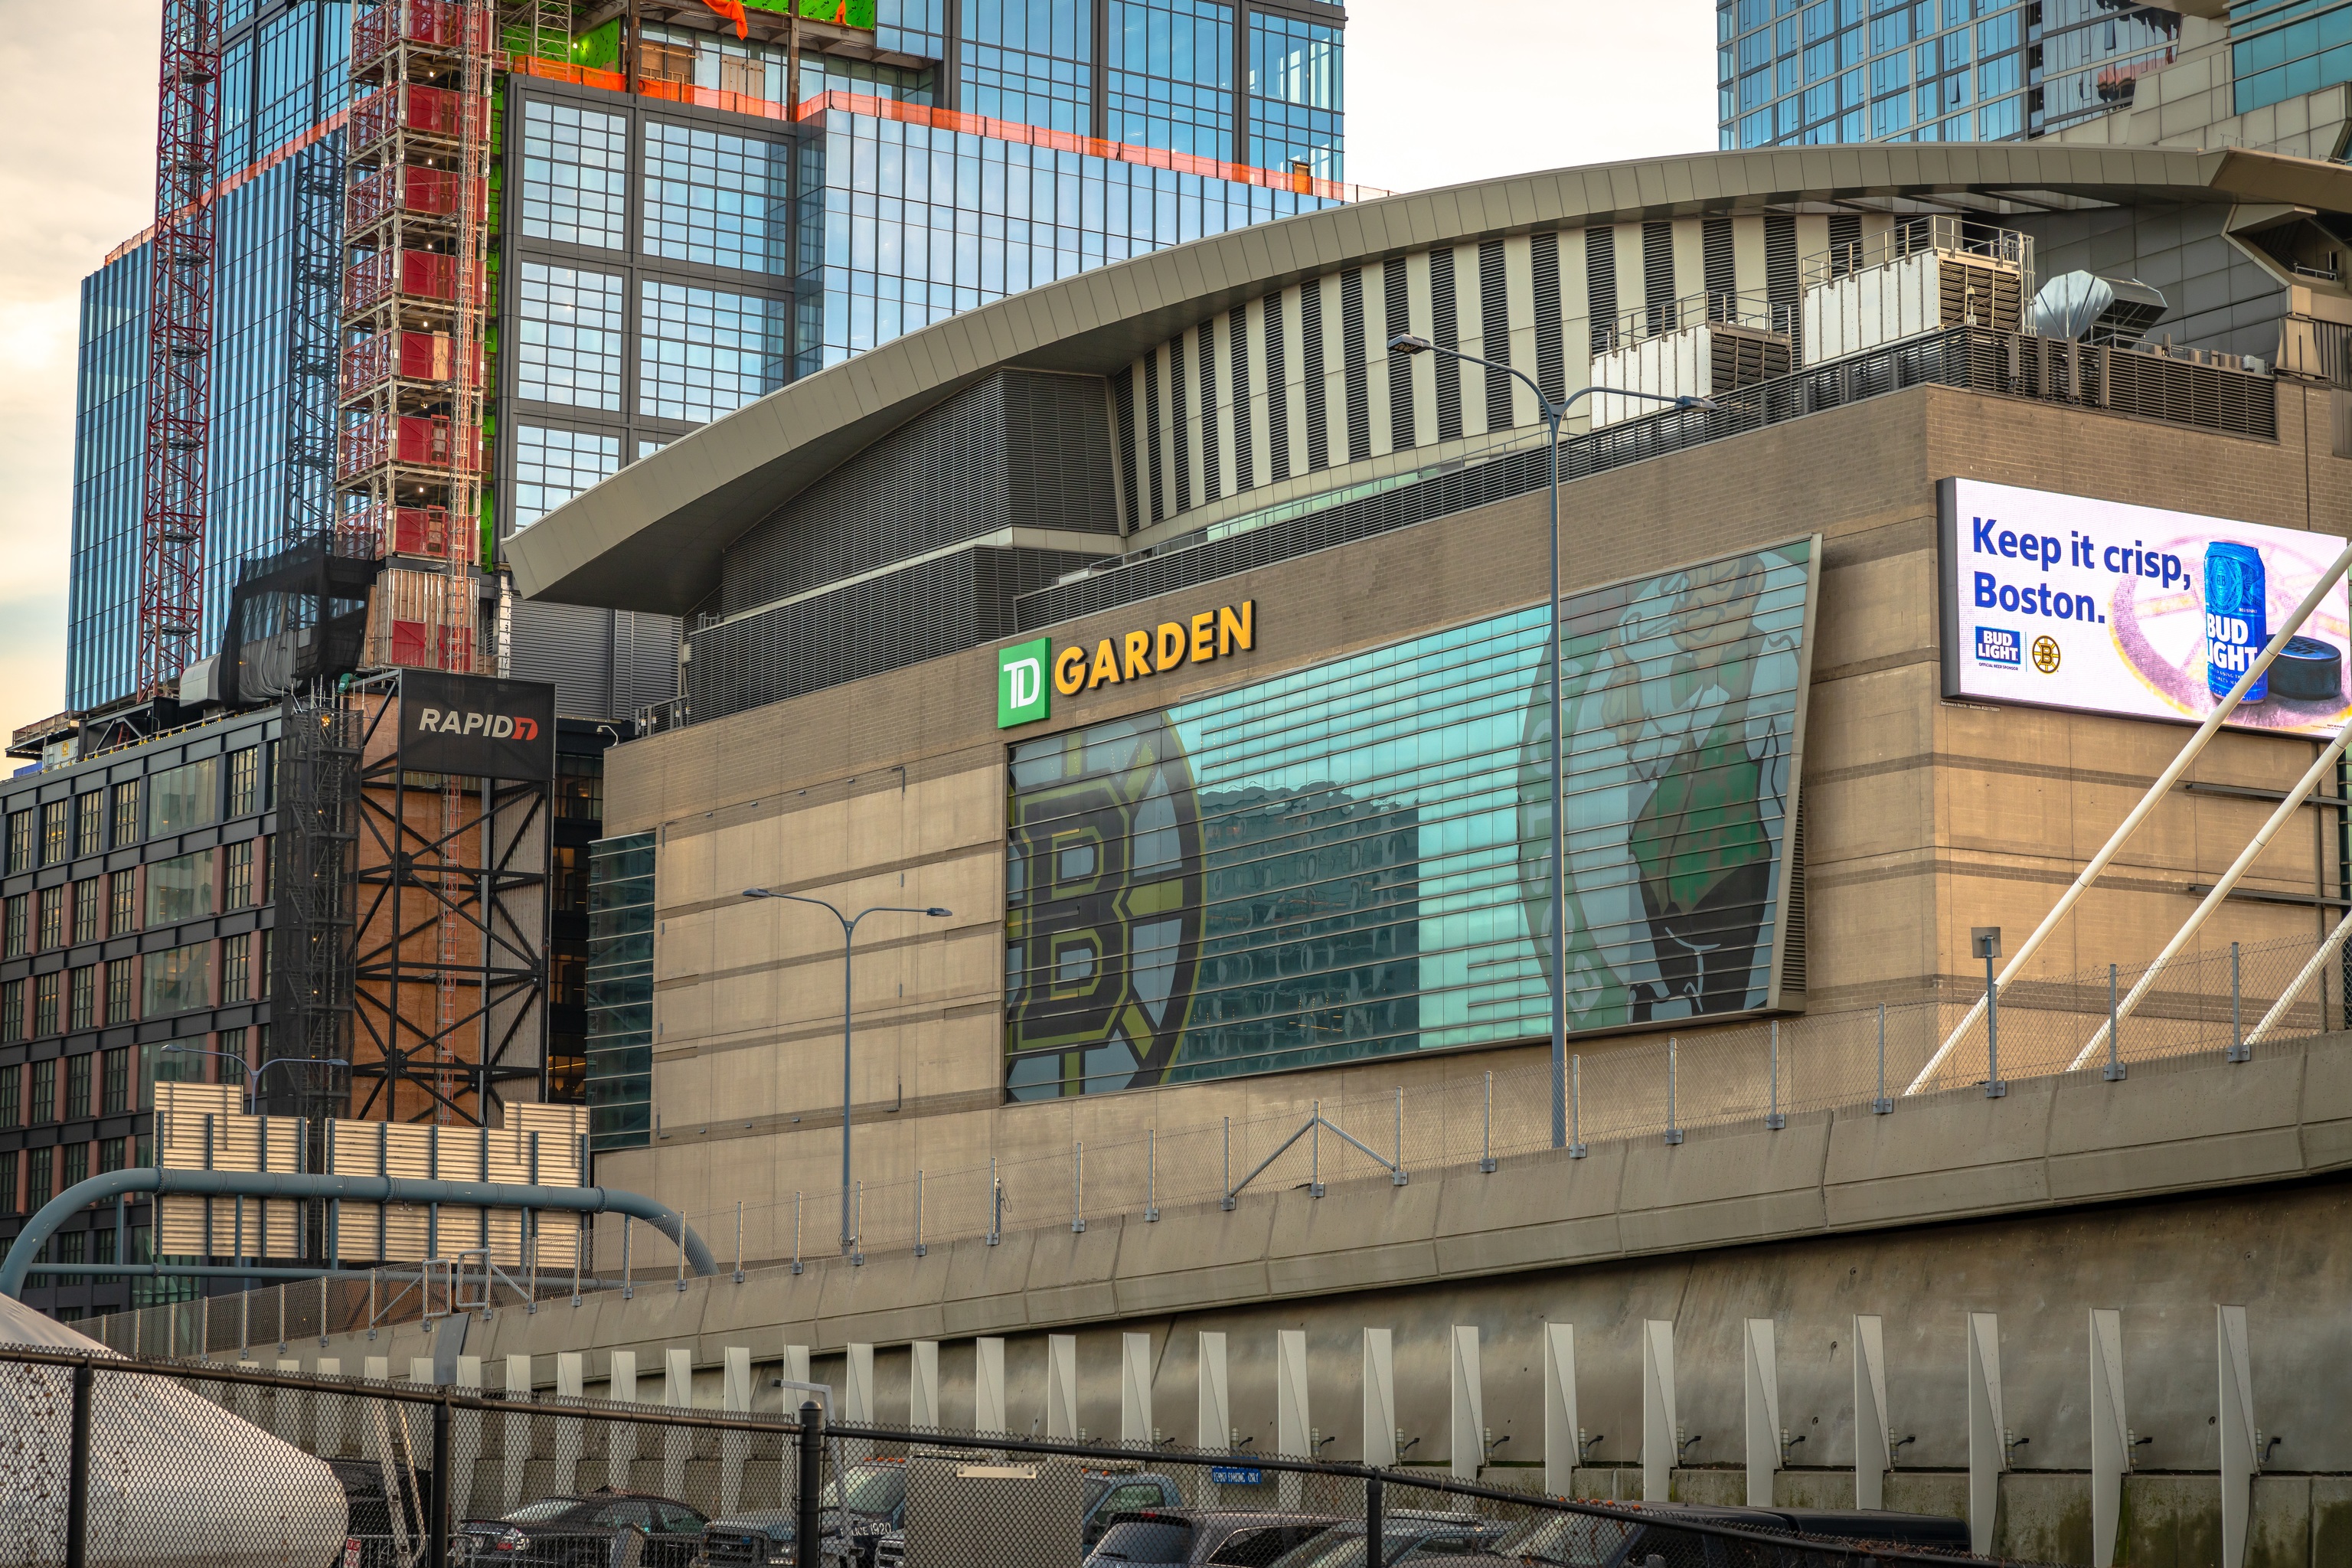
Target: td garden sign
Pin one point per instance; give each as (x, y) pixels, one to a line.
(1029, 673)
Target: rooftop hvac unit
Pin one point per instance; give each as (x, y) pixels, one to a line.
(1929, 275)
(1726, 341)
(2097, 310)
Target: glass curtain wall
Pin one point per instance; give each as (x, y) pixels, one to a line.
(1172, 76)
(1297, 100)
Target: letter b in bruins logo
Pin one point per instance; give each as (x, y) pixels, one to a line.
(2045, 655)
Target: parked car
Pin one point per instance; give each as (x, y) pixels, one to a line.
(1200, 1537)
(582, 1531)
(1625, 1539)
(370, 1512)
(1110, 1494)
(1406, 1536)
(876, 1490)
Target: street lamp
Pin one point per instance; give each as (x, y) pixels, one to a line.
(253, 1075)
(848, 931)
(1554, 414)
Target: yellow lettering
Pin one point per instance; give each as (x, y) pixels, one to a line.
(1204, 636)
(1070, 671)
(1168, 649)
(1139, 655)
(1235, 631)
(1105, 665)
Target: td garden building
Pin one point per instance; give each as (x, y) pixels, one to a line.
(1189, 647)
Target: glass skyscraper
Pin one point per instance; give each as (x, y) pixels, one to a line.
(666, 256)
(1832, 71)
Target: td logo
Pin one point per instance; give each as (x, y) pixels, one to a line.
(1022, 694)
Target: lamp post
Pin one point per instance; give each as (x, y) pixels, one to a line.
(253, 1075)
(849, 933)
(1554, 416)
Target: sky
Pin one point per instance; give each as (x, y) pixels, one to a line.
(1432, 100)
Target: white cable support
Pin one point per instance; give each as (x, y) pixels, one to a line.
(2130, 823)
(2304, 977)
(2221, 889)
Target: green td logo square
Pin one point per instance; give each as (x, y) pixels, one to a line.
(1021, 692)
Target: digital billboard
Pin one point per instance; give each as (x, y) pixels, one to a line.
(1353, 860)
(2062, 601)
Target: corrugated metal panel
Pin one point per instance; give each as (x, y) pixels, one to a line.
(202, 1127)
(570, 646)
(409, 1233)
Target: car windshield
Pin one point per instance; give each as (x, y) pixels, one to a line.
(1259, 1547)
(1402, 1544)
(871, 1488)
(1146, 1540)
(1575, 1541)
(552, 1511)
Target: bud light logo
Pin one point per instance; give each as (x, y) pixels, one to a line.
(492, 726)
(1997, 646)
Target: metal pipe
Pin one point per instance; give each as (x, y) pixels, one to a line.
(380, 1190)
(2147, 802)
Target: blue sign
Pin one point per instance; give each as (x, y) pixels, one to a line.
(1236, 1475)
(1996, 646)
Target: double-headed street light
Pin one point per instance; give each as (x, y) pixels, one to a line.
(1554, 414)
(848, 931)
(253, 1075)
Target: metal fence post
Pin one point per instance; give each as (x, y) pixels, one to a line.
(1576, 1108)
(1373, 1555)
(436, 1522)
(78, 1471)
(806, 1524)
(1882, 1105)
(1674, 1054)
(1773, 1119)
(1486, 1130)
(2115, 1066)
(2238, 1050)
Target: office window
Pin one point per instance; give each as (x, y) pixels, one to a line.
(237, 875)
(82, 997)
(181, 889)
(8, 1183)
(122, 902)
(89, 823)
(13, 922)
(126, 813)
(717, 199)
(12, 1011)
(20, 840)
(1297, 98)
(178, 980)
(40, 1177)
(78, 1069)
(705, 352)
(159, 1064)
(110, 1153)
(552, 466)
(236, 967)
(50, 907)
(1171, 75)
(579, 788)
(41, 1104)
(1024, 60)
(574, 175)
(114, 1084)
(45, 1003)
(119, 995)
(57, 832)
(85, 910)
(568, 331)
(232, 1061)
(245, 782)
(12, 1096)
(73, 1168)
(183, 797)
(261, 990)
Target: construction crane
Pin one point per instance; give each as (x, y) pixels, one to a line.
(179, 347)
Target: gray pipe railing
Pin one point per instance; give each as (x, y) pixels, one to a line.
(38, 1230)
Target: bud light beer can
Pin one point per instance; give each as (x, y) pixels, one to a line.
(2236, 619)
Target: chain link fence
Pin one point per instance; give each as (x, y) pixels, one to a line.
(182, 1465)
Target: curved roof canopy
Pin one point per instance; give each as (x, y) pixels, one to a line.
(651, 537)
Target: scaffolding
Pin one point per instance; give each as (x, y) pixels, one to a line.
(310, 993)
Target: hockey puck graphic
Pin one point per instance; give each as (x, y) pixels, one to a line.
(2307, 670)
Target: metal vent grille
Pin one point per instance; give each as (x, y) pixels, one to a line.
(1152, 435)
(1237, 350)
(1494, 326)
(1793, 940)
(1310, 376)
(1447, 334)
(1781, 289)
(1399, 298)
(1715, 257)
(1278, 399)
(1551, 347)
(885, 623)
(1359, 372)
(1122, 386)
(1211, 416)
(1658, 276)
(1845, 242)
(1179, 418)
(1018, 448)
(2146, 385)
(1600, 285)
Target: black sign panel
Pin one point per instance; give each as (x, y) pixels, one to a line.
(476, 725)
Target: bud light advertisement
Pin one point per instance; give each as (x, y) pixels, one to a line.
(2064, 601)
